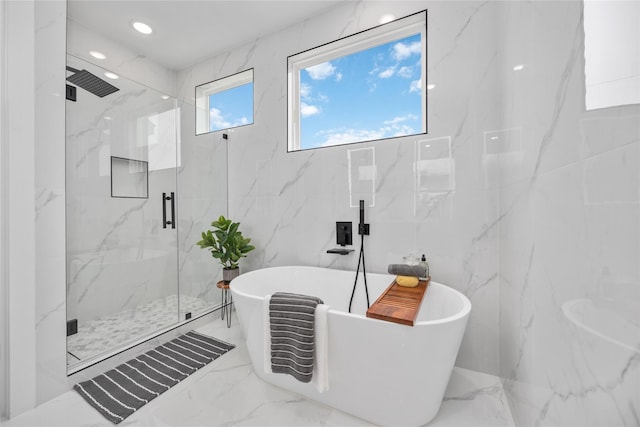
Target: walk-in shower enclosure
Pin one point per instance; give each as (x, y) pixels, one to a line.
(140, 188)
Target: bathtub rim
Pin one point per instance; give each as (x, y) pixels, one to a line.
(462, 313)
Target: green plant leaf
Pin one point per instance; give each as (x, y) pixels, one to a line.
(233, 228)
(226, 242)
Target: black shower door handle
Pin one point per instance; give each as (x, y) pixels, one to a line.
(164, 210)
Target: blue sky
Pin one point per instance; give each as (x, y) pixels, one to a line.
(368, 95)
(231, 108)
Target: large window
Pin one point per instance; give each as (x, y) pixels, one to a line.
(225, 103)
(368, 86)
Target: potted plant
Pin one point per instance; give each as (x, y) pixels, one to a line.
(227, 245)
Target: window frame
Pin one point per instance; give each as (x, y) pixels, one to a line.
(203, 94)
(366, 39)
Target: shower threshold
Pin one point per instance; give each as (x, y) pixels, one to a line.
(100, 336)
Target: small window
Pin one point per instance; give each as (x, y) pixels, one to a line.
(225, 103)
(368, 86)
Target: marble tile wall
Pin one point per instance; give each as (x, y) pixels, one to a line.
(569, 231)
(18, 204)
(289, 202)
(48, 51)
(4, 324)
(540, 208)
(202, 191)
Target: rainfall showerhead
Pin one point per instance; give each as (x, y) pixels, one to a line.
(90, 82)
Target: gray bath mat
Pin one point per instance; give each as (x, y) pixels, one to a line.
(118, 393)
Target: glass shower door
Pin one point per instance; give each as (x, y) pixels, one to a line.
(122, 252)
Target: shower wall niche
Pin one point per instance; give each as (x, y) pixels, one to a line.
(132, 270)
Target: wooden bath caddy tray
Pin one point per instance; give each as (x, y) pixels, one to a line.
(399, 304)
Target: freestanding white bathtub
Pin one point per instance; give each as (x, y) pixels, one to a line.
(385, 373)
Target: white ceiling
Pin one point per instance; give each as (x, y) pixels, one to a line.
(188, 31)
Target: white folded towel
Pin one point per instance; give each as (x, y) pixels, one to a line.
(320, 377)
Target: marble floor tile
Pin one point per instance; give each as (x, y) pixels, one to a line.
(227, 392)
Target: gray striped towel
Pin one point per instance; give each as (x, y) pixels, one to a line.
(292, 328)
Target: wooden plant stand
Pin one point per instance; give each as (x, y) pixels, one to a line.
(227, 301)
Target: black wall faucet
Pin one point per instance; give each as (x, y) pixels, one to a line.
(343, 238)
(363, 230)
(344, 233)
(362, 227)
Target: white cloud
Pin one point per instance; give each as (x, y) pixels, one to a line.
(338, 77)
(416, 86)
(400, 119)
(217, 121)
(307, 110)
(402, 51)
(405, 72)
(403, 130)
(352, 135)
(322, 71)
(392, 128)
(307, 99)
(305, 90)
(389, 72)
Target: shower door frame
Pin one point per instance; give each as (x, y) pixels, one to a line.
(201, 194)
(146, 205)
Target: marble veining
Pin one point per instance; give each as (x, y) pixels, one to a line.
(561, 92)
(47, 366)
(228, 392)
(44, 197)
(560, 235)
(459, 35)
(568, 233)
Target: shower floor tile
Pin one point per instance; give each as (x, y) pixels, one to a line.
(228, 392)
(108, 333)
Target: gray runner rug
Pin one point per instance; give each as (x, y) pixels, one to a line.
(118, 393)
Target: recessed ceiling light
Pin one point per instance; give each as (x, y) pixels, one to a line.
(107, 118)
(518, 67)
(97, 55)
(430, 86)
(386, 18)
(141, 27)
(111, 75)
(165, 96)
